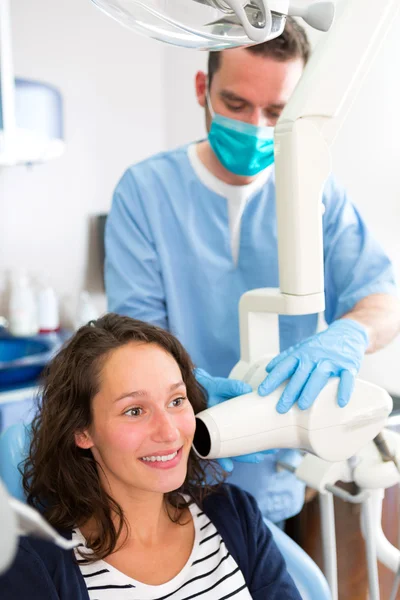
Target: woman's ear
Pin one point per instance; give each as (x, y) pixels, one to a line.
(83, 440)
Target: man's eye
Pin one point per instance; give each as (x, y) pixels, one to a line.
(235, 108)
(134, 412)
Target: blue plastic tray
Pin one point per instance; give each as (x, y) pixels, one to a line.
(22, 359)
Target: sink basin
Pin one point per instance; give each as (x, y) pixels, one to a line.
(22, 359)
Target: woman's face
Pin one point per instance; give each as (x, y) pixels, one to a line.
(143, 423)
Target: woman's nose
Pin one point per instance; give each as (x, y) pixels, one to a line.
(165, 429)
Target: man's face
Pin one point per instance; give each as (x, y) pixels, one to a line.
(249, 87)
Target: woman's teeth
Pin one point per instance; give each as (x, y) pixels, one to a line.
(159, 458)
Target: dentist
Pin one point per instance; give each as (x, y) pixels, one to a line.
(192, 229)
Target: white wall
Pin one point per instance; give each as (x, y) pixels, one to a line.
(366, 157)
(185, 120)
(112, 86)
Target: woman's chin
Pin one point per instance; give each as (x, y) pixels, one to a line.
(167, 486)
(166, 482)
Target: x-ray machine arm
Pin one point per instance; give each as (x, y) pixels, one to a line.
(303, 137)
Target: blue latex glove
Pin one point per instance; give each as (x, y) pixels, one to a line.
(335, 352)
(219, 390)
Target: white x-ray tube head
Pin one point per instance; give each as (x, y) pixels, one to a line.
(250, 423)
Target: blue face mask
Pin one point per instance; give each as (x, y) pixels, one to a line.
(242, 148)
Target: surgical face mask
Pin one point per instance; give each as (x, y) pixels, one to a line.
(242, 148)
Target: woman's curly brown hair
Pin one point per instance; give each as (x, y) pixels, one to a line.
(61, 479)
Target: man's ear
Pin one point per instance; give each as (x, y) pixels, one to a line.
(201, 88)
(83, 440)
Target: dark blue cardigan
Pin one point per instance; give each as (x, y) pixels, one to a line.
(43, 572)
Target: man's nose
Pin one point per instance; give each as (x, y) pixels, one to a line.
(258, 118)
(165, 429)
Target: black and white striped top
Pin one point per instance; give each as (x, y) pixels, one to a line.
(210, 573)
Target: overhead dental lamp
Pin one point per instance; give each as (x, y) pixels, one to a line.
(215, 24)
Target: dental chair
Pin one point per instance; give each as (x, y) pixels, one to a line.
(14, 445)
(309, 579)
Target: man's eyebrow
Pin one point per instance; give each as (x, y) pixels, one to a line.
(232, 96)
(143, 393)
(279, 106)
(235, 98)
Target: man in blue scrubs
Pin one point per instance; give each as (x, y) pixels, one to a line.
(191, 230)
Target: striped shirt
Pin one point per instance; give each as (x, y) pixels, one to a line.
(210, 573)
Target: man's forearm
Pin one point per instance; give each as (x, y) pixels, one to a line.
(380, 315)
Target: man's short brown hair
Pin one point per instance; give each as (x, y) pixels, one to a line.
(291, 44)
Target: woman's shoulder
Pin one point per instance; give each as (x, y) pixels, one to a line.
(236, 515)
(46, 549)
(42, 570)
(232, 498)
(234, 512)
(41, 550)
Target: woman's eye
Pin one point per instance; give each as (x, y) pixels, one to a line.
(178, 402)
(134, 412)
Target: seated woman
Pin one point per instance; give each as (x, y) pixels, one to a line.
(111, 464)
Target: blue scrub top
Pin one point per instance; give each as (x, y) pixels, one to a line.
(169, 262)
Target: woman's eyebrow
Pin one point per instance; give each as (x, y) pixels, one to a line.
(176, 385)
(141, 393)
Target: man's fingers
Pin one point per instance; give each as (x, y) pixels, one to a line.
(254, 458)
(229, 388)
(294, 387)
(289, 352)
(275, 361)
(346, 387)
(317, 381)
(202, 377)
(282, 371)
(226, 464)
(220, 389)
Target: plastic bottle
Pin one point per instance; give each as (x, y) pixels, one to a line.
(86, 310)
(48, 312)
(23, 317)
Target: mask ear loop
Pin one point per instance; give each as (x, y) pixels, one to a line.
(208, 102)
